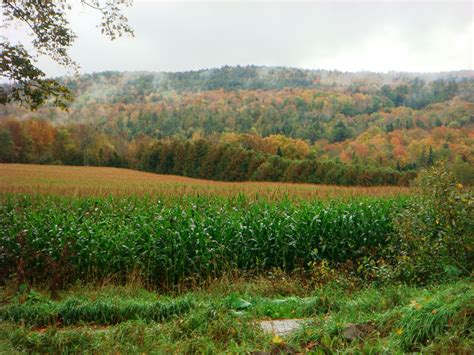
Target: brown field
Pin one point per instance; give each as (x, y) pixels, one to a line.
(102, 181)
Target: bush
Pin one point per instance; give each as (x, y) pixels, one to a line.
(436, 229)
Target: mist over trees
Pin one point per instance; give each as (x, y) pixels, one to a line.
(47, 25)
(254, 123)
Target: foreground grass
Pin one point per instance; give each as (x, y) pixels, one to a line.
(223, 317)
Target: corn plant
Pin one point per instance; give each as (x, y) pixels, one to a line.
(176, 238)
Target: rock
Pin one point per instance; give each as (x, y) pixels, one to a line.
(281, 327)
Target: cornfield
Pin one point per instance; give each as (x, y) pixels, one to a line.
(173, 238)
(101, 181)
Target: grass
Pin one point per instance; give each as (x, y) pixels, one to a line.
(100, 181)
(102, 311)
(392, 318)
(429, 317)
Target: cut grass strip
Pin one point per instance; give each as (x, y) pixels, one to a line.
(105, 311)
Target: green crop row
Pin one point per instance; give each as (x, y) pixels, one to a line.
(61, 238)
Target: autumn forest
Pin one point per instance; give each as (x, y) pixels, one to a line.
(255, 123)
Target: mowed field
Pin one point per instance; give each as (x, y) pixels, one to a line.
(104, 181)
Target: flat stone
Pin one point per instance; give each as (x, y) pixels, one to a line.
(281, 326)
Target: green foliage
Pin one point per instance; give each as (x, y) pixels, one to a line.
(30, 88)
(51, 36)
(437, 229)
(464, 172)
(181, 240)
(6, 145)
(416, 94)
(340, 132)
(191, 237)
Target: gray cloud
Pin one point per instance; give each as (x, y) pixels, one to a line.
(422, 36)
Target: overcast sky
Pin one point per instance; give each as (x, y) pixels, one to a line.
(349, 36)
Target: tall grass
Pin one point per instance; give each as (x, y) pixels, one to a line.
(175, 238)
(428, 318)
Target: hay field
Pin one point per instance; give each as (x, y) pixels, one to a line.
(104, 181)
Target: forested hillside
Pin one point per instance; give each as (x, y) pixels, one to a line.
(255, 123)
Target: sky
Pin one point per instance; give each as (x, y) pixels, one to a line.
(421, 36)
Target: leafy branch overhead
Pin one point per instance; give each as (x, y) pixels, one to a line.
(52, 36)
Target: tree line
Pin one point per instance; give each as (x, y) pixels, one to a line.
(37, 141)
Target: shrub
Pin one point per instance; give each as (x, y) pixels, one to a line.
(436, 229)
